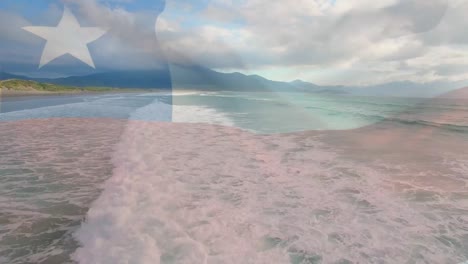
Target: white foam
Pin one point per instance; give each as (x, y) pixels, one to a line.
(159, 111)
(199, 114)
(195, 193)
(155, 111)
(192, 193)
(183, 93)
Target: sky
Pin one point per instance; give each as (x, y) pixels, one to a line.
(130, 41)
(327, 42)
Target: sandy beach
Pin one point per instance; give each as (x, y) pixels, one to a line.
(8, 93)
(16, 93)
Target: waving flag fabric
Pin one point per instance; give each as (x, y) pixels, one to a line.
(120, 143)
(84, 44)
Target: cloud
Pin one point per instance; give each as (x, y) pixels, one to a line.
(9, 23)
(323, 41)
(130, 42)
(355, 35)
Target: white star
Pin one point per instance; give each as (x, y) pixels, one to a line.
(67, 38)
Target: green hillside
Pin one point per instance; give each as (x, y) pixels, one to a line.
(32, 86)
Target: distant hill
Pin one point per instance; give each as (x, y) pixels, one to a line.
(207, 79)
(7, 76)
(183, 77)
(122, 79)
(196, 77)
(201, 78)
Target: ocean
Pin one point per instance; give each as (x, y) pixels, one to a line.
(233, 178)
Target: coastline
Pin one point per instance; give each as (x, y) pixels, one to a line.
(17, 93)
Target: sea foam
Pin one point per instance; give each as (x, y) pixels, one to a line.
(204, 193)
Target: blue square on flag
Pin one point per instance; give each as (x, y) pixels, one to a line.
(85, 45)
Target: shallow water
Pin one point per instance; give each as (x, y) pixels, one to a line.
(99, 181)
(51, 171)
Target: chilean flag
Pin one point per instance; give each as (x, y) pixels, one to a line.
(87, 179)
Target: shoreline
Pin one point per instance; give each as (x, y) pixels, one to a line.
(16, 93)
(10, 93)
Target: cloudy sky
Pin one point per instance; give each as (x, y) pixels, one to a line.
(356, 42)
(324, 41)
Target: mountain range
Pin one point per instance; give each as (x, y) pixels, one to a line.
(201, 78)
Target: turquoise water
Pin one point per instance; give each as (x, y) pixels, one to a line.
(292, 112)
(257, 112)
